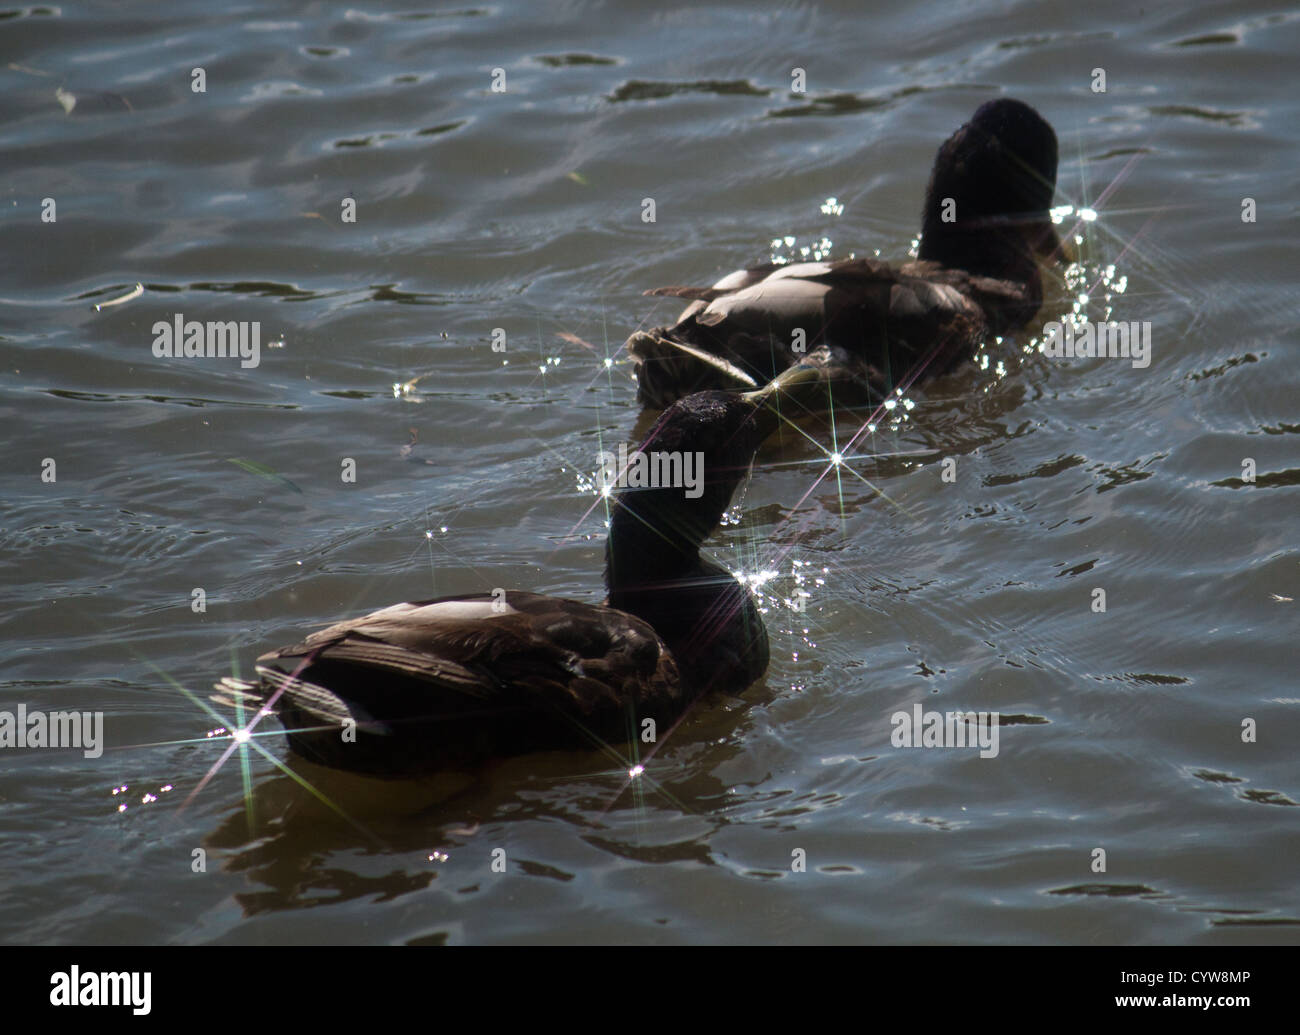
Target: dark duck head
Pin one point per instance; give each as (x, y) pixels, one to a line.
(456, 681)
(999, 173)
(985, 224)
(653, 567)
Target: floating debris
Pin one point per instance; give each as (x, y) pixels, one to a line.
(135, 292)
(262, 471)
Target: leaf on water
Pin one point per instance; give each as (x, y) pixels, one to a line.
(575, 340)
(134, 293)
(262, 471)
(68, 100)
(577, 177)
(403, 390)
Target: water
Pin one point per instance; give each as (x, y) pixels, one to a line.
(522, 210)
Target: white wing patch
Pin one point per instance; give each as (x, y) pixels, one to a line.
(783, 298)
(801, 269)
(445, 610)
(732, 280)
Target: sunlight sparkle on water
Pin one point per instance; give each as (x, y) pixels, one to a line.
(783, 247)
(758, 579)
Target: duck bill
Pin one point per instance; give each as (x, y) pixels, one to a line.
(791, 392)
(795, 382)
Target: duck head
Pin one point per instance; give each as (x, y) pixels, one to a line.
(702, 447)
(999, 170)
(653, 567)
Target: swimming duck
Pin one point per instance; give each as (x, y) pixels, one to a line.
(984, 226)
(457, 680)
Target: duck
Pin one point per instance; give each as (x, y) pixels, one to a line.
(456, 681)
(985, 226)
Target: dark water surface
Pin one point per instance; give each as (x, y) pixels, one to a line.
(521, 210)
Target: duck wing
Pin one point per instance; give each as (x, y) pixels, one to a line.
(879, 320)
(737, 281)
(853, 302)
(414, 682)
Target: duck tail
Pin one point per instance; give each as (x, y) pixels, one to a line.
(668, 369)
(237, 693)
